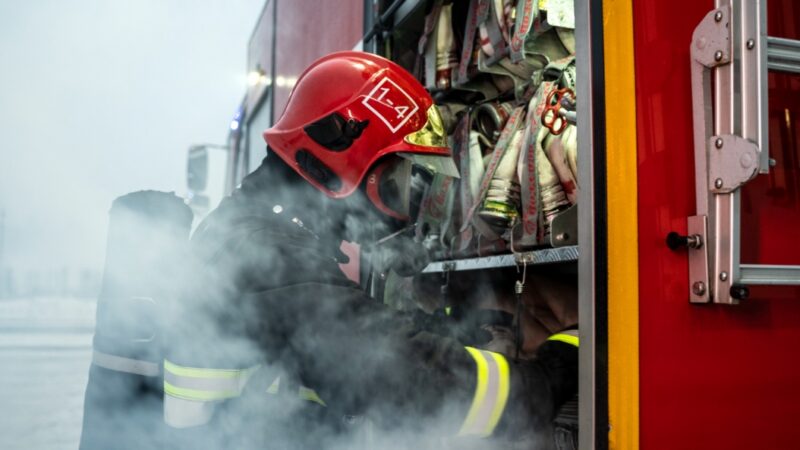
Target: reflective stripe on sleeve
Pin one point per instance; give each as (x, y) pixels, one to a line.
(310, 395)
(201, 384)
(567, 337)
(491, 393)
(127, 365)
(191, 392)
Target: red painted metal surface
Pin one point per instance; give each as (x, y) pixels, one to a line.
(710, 376)
(307, 30)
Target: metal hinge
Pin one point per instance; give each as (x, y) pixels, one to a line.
(732, 162)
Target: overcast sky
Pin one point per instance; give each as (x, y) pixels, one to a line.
(102, 97)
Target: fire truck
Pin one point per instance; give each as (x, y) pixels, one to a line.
(683, 250)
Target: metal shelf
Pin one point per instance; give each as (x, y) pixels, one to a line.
(543, 256)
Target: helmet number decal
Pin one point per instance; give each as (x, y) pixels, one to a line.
(401, 111)
(391, 104)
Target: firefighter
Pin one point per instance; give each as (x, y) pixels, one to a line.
(277, 348)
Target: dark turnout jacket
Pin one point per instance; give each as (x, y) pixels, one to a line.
(321, 364)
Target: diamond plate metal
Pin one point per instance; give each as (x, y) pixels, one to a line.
(543, 256)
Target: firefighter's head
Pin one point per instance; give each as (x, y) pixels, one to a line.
(359, 120)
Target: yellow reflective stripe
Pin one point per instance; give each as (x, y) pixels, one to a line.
(491, 393)
(566, 338)
(503, 389)
(480, 391)
(201, 384)
(196, 372)
(198, 395)
(310, 395)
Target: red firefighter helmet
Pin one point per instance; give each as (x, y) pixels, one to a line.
(349, 110)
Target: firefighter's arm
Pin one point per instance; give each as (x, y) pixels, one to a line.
(513, 399)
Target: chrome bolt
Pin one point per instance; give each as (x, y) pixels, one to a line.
(699, 288)
(772, 162)
(718, 55)
(723, 276)
(694, 241)
(751, 44)
(718, 143)
(718, 183)
(718, 16)
(383, 275)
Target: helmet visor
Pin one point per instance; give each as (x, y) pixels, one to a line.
(432, 133)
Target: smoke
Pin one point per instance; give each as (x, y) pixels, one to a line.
(103, 99)
(98, 99)
(259, 288)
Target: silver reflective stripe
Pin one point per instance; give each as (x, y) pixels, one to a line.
(127, 365)
(232, 384)
(491, 393)
(182, 413)
(492, 390)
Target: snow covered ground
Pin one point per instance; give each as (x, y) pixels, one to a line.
(45, 352)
